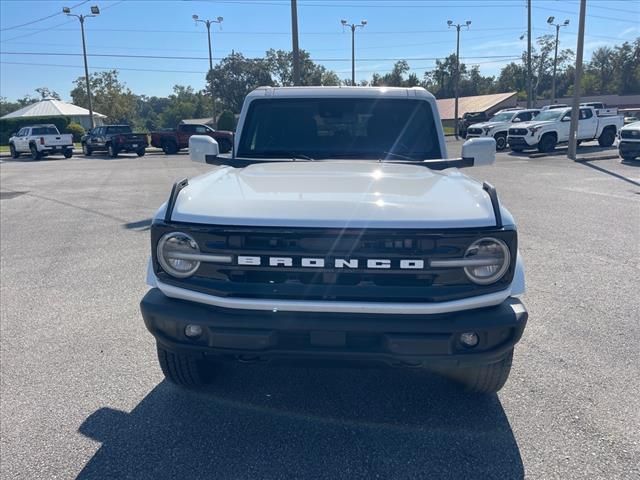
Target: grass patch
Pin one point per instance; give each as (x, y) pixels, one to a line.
(4, 148)
(449, 130)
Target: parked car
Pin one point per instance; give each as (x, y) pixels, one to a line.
(114, 139)
(40, 141)
(629, 145)
(555, 106)
(342, 231)
(601, 109)
(551, 127)
(630, 119)
(172, 141)
(470, 118)
(498, 126)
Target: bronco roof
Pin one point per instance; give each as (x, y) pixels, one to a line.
(389, 92)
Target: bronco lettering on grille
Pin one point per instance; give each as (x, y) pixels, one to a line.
(340, 263)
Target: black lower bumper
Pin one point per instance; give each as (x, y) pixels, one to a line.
(416, 340)
(519, 142)
(628, 149)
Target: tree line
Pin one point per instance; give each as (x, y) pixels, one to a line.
(611, 70)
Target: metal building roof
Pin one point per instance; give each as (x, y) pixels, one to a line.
(478, 103)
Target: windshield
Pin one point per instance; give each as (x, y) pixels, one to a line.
(549, 115)
(45, 131)
(503, 117)
(119, 129)
(339, 128)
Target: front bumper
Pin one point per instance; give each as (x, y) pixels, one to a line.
(520, 142)
(416, 340)
(131, 147)
(56, 149)
(629, 148)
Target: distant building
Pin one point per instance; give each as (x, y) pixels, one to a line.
(478, 103)
(621, 101)
(57, 108)
(198, 121)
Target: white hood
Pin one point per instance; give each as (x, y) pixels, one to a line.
(533, 123)
(489, 124)
(336, 194)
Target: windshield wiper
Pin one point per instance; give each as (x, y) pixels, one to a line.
(398, 155)
(277, 154)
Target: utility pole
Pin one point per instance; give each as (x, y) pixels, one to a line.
(529, 80)
(208, 24)
(457, 71)
(555, 57)
(95, 11)
(294, 41)
(353, 27)
(575, 106)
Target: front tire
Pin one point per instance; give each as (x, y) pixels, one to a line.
(183, 369)
(112, 151)
(170, 148)
(486, 378)
(547, 144)
(35, 154)
(14, 152)
(501, 141)
(607, 137)
(140, 152)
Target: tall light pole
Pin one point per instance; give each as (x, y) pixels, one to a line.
(353, 27)
(529, 80)
(575, 106)
(457, 71)
(294, 42)
(555, 57)
(94, 12)
(208, 24)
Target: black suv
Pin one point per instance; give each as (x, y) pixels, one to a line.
(114, 139)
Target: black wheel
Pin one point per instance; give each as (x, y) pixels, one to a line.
(578, 142)
(607, 137)
(225, 145)
(140, 152)
(487, 378)
(14, 153)
(170, 148)
(501, 141)
(68, 153)
(112, 151)
(86, 150)
(35, 154)
(547, 143)
(183, 369)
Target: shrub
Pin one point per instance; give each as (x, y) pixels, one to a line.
(76, 130)
(12, 125)
(226, 121)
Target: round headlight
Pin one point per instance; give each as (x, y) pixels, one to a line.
(177, 254)
(488, 260)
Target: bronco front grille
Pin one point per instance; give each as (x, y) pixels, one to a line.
(293, 281)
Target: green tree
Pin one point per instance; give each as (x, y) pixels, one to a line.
(110, 96)
(184, 103)
(235, 76)
(226, 121)
(44, 92)
(280, 64)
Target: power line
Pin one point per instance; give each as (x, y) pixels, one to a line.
(163, 57)
(42, 18)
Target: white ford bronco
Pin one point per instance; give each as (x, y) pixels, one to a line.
(39, 141)
(337, 229)
(498, 126)
(551, 127)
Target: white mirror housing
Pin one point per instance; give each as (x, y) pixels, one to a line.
(200, 146)
(482, 150)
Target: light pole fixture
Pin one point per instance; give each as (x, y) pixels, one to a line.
(550, 21)
(456, 79)
(94, 12)
(353, 27)
(208, 24)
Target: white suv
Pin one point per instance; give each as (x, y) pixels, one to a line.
(499, 125)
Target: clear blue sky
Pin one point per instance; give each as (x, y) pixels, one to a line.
(410, 29)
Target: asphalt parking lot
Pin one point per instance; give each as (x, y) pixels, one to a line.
(83, 396)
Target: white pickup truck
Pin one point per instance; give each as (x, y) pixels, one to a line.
(498, 126)
(551, 127)
(41, 140)
(629, 146)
